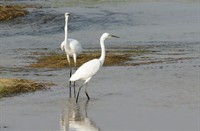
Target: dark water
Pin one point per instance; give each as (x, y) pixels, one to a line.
(161, 97)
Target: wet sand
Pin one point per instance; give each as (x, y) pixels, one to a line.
(159, 97)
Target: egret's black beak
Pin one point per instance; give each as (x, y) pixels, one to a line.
(115, 36)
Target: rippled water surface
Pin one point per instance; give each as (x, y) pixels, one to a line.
(157, 97)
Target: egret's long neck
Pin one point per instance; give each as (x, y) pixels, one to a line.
(103, 52)
(66, 29)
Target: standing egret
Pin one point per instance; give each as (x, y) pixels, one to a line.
(88, 69)
(71, 47)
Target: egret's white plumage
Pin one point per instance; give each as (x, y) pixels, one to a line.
(88, 69)
(71, 47)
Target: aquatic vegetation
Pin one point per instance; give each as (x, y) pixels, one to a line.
(113, 58)
(11, 86)
(12, 11)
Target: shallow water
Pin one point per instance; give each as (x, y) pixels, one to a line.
(122, 98)
(161, 97)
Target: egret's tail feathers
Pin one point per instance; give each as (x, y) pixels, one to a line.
(73, 78)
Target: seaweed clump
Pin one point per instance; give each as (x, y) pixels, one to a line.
(55, 60)
(11, 86)
(8, 12)
(114, 57)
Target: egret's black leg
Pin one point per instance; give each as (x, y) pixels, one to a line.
(86, 92)
(74, 83)
(78, 93)
(70, 83)
(70, 92)
(74, 91)
(70, 73)
(87, 95)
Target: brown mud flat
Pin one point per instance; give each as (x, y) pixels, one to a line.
(13, 86)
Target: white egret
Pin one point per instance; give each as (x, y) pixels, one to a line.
(88, 69)
(71, 47)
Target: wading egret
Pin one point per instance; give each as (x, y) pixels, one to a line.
(71, 47)
(88, 69)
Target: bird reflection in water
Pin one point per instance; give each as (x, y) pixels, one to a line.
(74, 117)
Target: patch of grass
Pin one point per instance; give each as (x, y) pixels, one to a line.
(113, 58)
(11, 87)
(12, 11)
